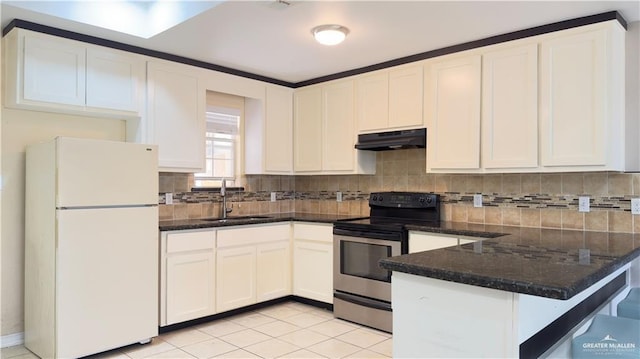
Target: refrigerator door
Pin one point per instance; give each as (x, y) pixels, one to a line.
(107, 279)
(105, 173)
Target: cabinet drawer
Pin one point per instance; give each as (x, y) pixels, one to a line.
(313, 232)
(190, 241)
(253, 234)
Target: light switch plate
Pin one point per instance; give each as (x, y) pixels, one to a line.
(583, 204)
(635, 205)
(168, 198)
(273, 196)
(477, 200)
(339, 196)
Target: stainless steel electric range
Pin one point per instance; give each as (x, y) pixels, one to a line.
(362, 290)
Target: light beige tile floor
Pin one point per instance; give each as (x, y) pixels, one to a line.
(287, 330)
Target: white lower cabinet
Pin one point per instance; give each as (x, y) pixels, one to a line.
(253, 264)
(313, 261)
(236, 277)
(187, 275)
(273, 270)
(422, 241)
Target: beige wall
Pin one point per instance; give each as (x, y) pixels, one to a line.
(20, 128)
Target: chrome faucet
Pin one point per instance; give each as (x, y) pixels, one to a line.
(223, 194)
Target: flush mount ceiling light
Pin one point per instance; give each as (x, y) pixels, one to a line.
(329, 34)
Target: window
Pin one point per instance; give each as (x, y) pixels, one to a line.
(222, 141)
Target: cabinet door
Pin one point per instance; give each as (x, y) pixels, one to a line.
(273, 264)
(176, 117)
(190, 286)
(510, 108)
(338, 135)
(313, 270)
(573, 100)
(372, 102)
(235, 277)
(308, 130)
(54, 70)
(405, 97)
(278, 149)
(453, 119)
(420, 242)
(114, 80)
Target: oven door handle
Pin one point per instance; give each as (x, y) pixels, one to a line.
(372, 233)
(363, 301)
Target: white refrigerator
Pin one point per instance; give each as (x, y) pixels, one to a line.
(91, 246)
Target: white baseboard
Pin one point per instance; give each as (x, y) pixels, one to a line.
(11, 340)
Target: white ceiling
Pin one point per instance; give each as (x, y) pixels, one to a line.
(263, 38)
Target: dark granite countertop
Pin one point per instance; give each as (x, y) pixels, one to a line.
(174, 225)
(543, 262)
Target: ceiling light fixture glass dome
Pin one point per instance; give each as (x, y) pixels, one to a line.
(330, 34)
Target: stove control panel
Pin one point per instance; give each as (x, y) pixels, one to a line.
(404, 200)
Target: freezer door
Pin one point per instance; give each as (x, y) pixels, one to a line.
(106, 279)
(105, 173)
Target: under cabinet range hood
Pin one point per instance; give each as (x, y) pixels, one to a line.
(392, 140)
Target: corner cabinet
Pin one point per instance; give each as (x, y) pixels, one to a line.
(308, 129)
(268, 132)
(253, 264)
(278, 132)
(324, 134)
(50, 73)
(313, 261)
(187, 275)
(176, 116)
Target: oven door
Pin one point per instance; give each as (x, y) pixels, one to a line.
(356, 269)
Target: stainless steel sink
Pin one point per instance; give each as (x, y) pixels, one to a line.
(235, 219)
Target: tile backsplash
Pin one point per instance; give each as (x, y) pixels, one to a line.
(526, 199)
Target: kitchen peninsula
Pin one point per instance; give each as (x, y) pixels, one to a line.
(519, 294)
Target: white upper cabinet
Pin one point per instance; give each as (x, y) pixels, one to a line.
(405, 97)
(268, 132)
(389, 100)
(308, 130)
(115, 79)
(176, 116)
(582, 98)
(453, 117)
(279, 130)
(54, 70)
(49, 73)
(337, 119)
(510, 108)
(372, 102)
(485, 114)
(324, 131)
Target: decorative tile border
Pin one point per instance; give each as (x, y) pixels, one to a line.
(531, 201)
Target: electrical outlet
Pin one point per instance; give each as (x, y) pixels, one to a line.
(583, 204)
(635, 205)
(339, 196)
(477, 200)
(168, 198)
(273, 196)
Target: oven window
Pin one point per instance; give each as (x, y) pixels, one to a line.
(361, 260)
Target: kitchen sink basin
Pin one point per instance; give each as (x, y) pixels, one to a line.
(235, 219)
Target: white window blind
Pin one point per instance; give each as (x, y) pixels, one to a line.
(224, 114)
